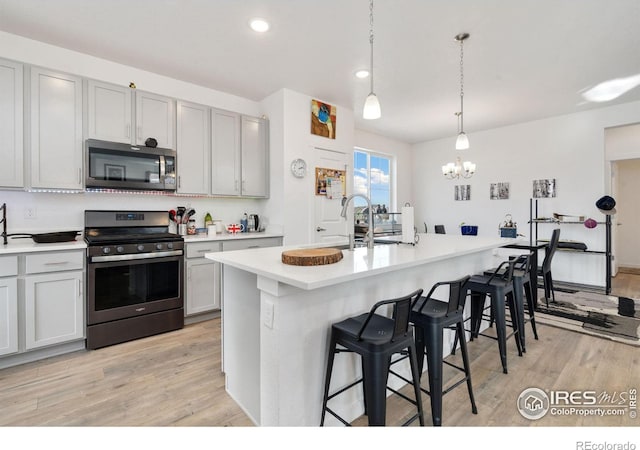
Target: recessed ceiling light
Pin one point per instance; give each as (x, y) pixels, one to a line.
(362, 73)
(259, 25)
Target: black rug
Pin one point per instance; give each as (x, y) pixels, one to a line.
(606, 316)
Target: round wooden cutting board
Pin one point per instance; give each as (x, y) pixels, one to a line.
(311, 256)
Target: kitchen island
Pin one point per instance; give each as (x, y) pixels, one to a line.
(276, 318)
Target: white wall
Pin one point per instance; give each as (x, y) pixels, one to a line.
(569, 148)
(292, 199)
(66, 211)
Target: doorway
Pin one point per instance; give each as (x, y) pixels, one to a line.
(328, 225)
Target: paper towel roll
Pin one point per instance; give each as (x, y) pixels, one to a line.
(408, 233)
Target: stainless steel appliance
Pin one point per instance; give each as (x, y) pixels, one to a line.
(134, 276)
(113, 165)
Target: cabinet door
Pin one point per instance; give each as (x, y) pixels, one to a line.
(53, 309)
(156, 118)
(11, 150)
(202, 289)
(255, 157)
(8, 316)
(109, 112)
(56, 130)
(225, 152)
(193, 149)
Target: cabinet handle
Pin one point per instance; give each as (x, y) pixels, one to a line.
(179, 181)
(205, 250)
(244, 185)
(59, 263)
(79, 288)
(254, 246)
(189, 274)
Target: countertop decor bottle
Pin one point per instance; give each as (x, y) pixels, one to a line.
(245, 223)
(208, 220)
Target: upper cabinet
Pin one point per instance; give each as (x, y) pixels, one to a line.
(194, 148)
(155, 118)
(255, 157)
(225, 153)
(11, 150)
(109, 112)
(109, 115)
(240, 155)
(56, 130)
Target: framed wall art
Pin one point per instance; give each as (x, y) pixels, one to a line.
(544, 188)
(462, 192)
(323, 119)
(499, 191)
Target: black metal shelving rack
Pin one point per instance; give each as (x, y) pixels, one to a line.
(607, 252)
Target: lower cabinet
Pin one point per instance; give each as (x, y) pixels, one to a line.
(202, 292)
(8, 305)
(41, 305)
(53, 309)
(202, 278)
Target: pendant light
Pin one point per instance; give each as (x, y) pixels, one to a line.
(462, 142)
(371, 105)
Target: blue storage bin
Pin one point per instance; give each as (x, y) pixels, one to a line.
(509, 232)
(469, 230)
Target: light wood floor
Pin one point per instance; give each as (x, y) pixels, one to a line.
(174, 379)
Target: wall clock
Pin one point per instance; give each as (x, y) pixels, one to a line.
(298, 168)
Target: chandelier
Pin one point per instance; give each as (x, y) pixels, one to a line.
(458, 169)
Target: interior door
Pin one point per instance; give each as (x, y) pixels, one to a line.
(327, 225)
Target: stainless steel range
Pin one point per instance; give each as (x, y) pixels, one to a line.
(134, 276)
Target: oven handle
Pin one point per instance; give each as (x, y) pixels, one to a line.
(108, 258)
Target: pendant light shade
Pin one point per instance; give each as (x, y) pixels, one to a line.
(462, 143)
(371, 107)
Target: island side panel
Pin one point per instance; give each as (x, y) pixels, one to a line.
(293, 351)
(241, 339)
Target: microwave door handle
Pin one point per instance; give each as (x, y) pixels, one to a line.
(162, 167)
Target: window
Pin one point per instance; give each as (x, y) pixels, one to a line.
(372, 177)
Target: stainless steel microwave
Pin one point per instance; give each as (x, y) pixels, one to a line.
(113, 165)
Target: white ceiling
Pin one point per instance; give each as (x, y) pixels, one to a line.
(525, 59)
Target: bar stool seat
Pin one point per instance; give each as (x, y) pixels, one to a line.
(375, 338)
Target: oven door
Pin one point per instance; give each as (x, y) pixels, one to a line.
(129, 288)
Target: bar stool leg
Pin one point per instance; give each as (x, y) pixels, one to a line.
(498, 307)
(433, 335)
(376, 387)
(519, 304)
(466, 365)
(327, 378)
(415, 376)
(531, 307)
(513, 312)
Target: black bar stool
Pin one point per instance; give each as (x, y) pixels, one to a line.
(375, 338)
(499, 286)
(430, 317)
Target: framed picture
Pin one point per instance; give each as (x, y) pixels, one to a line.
(323, 119)
(329, 181)
(499, 191)
(462, 192)
(544, 188)
(115, 172)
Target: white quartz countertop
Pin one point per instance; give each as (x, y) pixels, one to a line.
(28, 246)
(359, 263)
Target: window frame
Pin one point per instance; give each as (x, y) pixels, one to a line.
(391, 206)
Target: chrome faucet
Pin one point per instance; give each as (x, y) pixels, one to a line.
(369, 236)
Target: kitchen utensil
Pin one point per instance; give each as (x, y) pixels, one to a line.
(47, 238)
(188, 215)
(172, 215)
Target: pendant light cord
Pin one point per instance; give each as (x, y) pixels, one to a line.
(371, 39)
(461, 86)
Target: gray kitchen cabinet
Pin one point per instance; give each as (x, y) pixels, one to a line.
(8, 304)
(155, 118)
(109, 112)
(251, 243)
(56, 130)
(193, 148)
(239, 155)
(11, 124)
(202, 278)
(255, 157)
(225, 153)
(110, 115)
(53, 298)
